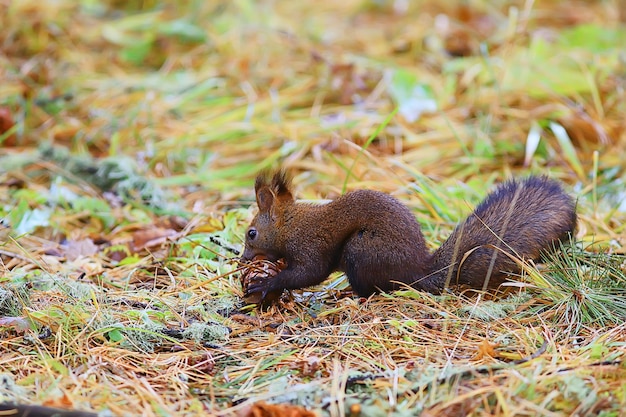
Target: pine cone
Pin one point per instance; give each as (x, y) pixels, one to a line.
(261, 268)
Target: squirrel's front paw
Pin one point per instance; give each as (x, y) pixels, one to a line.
(261, 291)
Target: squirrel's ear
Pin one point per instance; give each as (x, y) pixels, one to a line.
(264, 196)
(264, 199)
(271, 195)
(281, 186)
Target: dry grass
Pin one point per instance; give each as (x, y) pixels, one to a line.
(132, 132)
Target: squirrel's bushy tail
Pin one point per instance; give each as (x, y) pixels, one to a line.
(521, 217)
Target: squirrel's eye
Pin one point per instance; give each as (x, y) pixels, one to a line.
(252, 233)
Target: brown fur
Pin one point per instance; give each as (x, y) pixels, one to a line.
(377, 242)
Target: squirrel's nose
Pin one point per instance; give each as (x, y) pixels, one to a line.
(248, 254)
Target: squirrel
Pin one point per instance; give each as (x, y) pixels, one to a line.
(377, 242)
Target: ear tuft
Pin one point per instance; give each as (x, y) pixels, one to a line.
(273, 188)
(281, 185)
(264, 194)
(262, 180)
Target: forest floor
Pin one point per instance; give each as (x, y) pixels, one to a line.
(131, 136)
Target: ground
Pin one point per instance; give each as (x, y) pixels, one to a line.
(132, 133)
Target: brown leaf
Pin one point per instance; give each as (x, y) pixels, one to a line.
(465, 29)
(150, 237)
(202, 363)
(246, 319)
(486, 349)
(20, 324)
(7, 123)
(59, 402)
(262, 409)
(74, 249)
(309, 366)
(582, 129)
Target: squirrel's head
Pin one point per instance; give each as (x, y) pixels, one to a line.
(273, 196)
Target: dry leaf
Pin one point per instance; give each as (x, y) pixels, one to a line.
(262, 409)
(150, 237)
(246, 319)
(310, 366)
(74, 249)
(20, 324)
(486, 349)
(59, 402)
(7, 123)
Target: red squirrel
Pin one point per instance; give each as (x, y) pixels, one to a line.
(378, 243)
